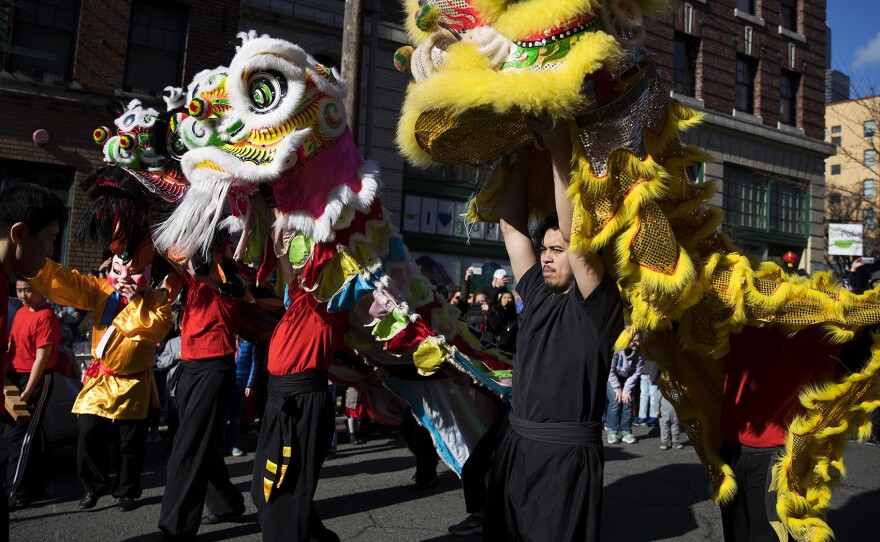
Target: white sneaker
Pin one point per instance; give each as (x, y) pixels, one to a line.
(629, 439)
(613, 438)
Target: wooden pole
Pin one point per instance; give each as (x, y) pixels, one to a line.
(352, 30)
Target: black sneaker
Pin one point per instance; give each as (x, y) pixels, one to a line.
(126, 504)
(89, 500)
(472, 524)
(213, 519)
(425, 484)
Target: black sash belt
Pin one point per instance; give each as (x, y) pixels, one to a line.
(571, 433)
(297, 383)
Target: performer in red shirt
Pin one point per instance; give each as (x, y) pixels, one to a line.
(30, 218)
(33, 351)
(764, 374)
(197, 474)
(298, 420)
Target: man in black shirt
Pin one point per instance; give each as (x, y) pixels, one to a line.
(546, 483)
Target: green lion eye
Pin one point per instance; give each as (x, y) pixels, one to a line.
(261, 94)
(266, 90)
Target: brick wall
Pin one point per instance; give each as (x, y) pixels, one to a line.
(722, 37)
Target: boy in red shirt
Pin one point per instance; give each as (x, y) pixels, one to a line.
(33, 351)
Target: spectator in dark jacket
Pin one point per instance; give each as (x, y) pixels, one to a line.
(476, 314)
(498, 286)
(502, 324)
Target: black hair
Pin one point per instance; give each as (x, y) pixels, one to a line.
(31, 204)
(549, 223)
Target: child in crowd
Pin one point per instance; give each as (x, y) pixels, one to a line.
(33, 351)
(670, 429)
(626, 370)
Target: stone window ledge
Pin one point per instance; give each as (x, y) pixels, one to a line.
(748, 17)
(748, 117)
(794, 130)
(793, 35)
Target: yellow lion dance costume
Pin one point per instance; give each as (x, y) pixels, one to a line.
(481, 66)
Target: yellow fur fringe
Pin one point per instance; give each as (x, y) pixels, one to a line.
(819, 463)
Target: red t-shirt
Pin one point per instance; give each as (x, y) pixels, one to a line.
(4, 315)
(764, 373)
(32, 330)
(210, 322)
(306, 337)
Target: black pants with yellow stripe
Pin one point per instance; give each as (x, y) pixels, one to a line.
(295, 434)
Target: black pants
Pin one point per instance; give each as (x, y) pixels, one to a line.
(197, 474)
(544, 491)
(747, 518)
(96, 436)
(419, 441)
(25, 438)
(294, 438)
(477, 467)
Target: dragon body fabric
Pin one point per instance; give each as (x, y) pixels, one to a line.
(480, 67)
(265, 141)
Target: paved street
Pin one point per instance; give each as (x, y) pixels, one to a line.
(365, 496)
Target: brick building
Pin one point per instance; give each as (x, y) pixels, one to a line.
(756, 68)
(65, 60)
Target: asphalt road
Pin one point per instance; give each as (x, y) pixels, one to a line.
(365, 495)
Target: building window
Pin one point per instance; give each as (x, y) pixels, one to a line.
(43, 38)
(834, 199)
(745, 199)
(788, 15)
(788, 208)
(745, 84)
(684, 71)
(870, 128)
(870, 158)
(869, 189)
(868, 218)
(157, 39)
(59, 181)
(788, 90)
(835, 135)
(746, 6)
(835, 169)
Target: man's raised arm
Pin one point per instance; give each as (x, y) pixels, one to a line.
(587, 268)
(515, 224)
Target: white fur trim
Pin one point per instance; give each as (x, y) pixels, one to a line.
(232, 224)
(191, 226)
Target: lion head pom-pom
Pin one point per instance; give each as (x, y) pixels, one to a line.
(402, 59)
(428, 17)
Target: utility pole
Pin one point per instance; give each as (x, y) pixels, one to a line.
(352, 29)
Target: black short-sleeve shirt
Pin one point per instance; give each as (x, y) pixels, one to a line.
(564, 350)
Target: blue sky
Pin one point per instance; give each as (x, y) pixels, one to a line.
(855, 42)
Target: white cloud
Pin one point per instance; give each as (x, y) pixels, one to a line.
(868, 54)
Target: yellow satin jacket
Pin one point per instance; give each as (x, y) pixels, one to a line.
(124, 387)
